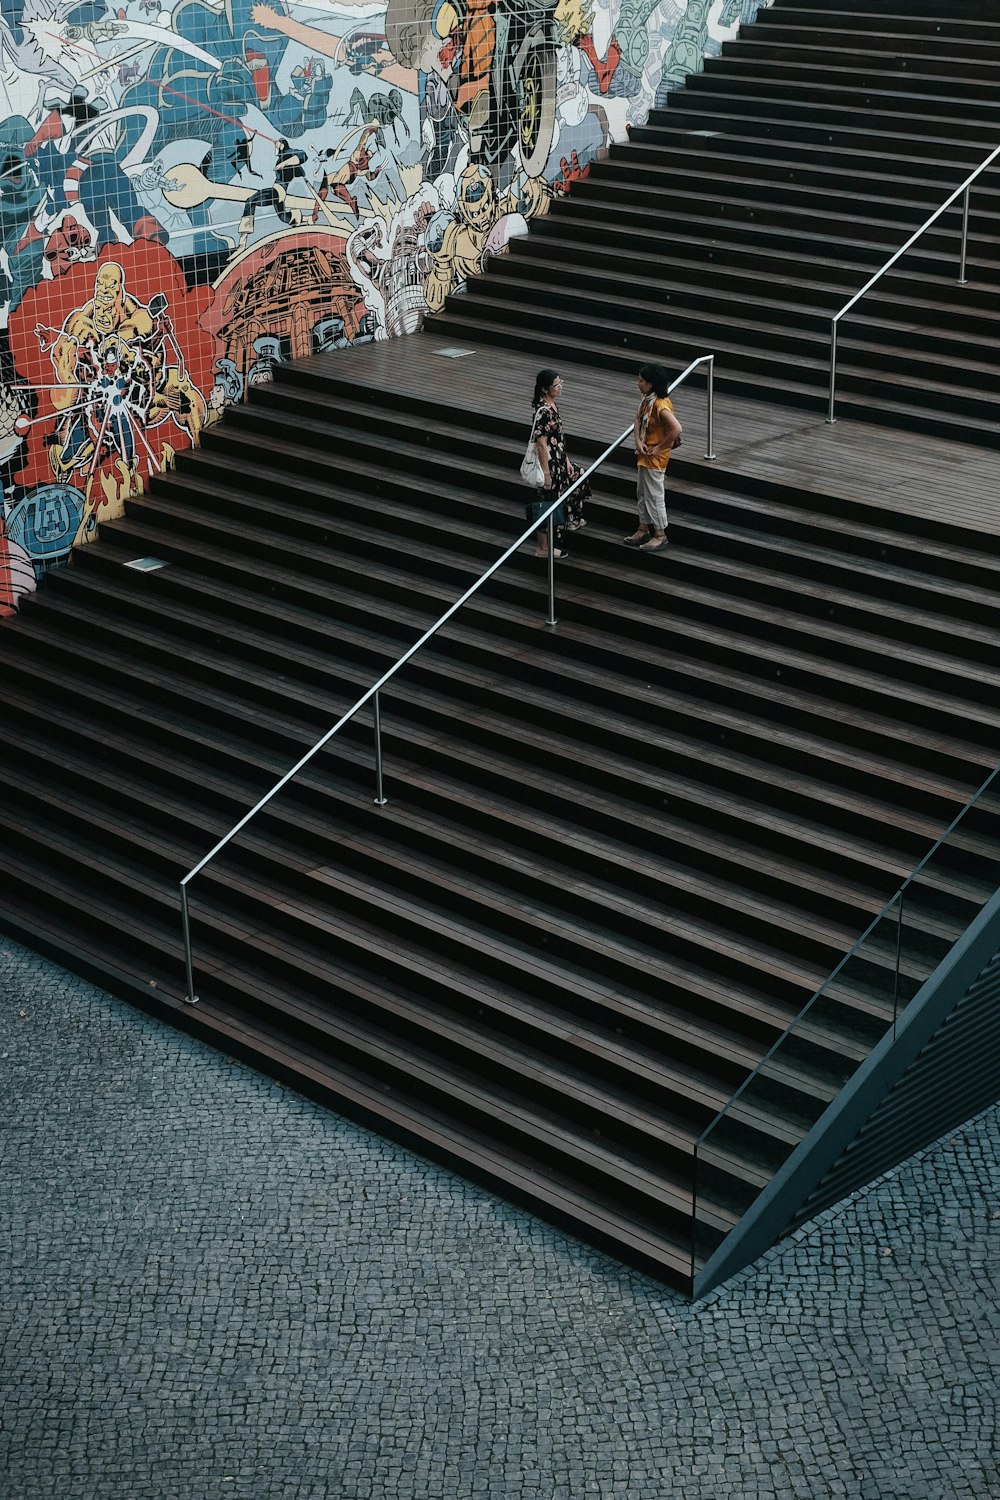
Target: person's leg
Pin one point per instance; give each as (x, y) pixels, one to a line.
(542, 537)
(656, 507)
(641, 532)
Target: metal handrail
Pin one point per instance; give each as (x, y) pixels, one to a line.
(373, 692)
(962, 279)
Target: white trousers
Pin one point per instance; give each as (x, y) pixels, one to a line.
(649, 485)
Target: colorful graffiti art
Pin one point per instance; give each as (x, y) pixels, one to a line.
(192, 191)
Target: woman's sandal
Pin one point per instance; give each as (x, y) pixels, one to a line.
(636, 539)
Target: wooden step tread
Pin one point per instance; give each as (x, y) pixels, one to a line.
(779, 823)
(150, 643)
(668, 874)
(583, 678)
(503, 1168)
(855, 341)
(550, 746)
(691, 978)
(257, 932)
(577, 1039)
(407, 777)
(628, 655)
(787, 656)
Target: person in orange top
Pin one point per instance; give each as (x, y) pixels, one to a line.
(656, 430)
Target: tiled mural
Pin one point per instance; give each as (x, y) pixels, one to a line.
(192, 192)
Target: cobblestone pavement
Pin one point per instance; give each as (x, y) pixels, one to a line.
(213, 1288)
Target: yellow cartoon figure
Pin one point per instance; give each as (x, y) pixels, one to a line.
(460, 254)
(119, 372)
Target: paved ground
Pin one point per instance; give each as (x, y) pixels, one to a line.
(212, 1288)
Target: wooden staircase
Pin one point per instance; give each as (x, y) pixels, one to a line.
(618, 858)
(747, 212)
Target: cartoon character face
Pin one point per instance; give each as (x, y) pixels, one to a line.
(67, 245)
(109, 298)
(476, 198)
(228, 379)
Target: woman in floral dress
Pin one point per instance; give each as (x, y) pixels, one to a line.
(558, 469)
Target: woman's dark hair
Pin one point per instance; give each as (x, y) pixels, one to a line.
(543, 380)
(657, 377)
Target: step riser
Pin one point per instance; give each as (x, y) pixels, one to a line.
(872, 103)
(498, 701)
(684, 311)
(654, 152)
(719, 653)
(887, 186)
(974, 127)
(409, 1083)
(683, 124)
(885, 230)
(905, 206)
(919, 56)
(769, 372)
(420, 1030)
(935, 254)
(688, 509)
(918, 18)
(680, 846)
(697, 806)
(425, 715)
(713, 613)
(978, 82)
(370, 657)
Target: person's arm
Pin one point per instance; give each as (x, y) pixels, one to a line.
(673, 430)
(321, 42)
(640, 446)
(325, 44)
(542, 423)
(542, 449)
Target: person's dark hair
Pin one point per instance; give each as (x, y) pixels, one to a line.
(543, 380)
(657, 377)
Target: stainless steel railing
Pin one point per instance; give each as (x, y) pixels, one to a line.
(372, 695)
(963, 189)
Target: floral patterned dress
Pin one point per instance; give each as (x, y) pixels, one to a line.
(548, 425)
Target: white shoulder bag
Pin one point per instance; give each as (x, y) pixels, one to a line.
(531, 468)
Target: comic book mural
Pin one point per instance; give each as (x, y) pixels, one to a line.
(195, 190)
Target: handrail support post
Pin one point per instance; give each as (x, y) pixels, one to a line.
(899, 958)
(190, 998)
(380, 798)
(710, 422)
(962, 280)
(551, 618)
(832, 398)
